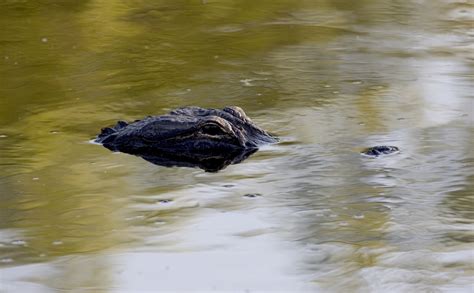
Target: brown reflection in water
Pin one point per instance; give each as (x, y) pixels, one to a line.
(59, 201)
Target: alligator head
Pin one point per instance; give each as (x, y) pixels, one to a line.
(189, 136)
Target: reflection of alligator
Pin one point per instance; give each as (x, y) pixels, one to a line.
(380, 150)
(194, 137)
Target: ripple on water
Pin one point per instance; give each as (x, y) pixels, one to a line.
(419, 270)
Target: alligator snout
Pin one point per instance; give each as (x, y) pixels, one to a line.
(380, 150)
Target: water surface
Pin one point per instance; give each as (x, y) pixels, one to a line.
(307, 214)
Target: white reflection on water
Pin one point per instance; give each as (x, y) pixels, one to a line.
(218, 251)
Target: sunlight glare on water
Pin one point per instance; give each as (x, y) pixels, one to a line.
(309, 213)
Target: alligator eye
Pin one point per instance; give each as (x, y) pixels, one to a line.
(212, 129)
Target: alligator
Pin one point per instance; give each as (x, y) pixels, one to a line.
(380, 150)
(210, 139)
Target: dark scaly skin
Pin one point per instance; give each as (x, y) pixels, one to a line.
(191, 136)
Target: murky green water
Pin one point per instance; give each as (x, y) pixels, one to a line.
(328, 77)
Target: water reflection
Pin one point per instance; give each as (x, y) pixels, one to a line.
(211, 164)
(330, 77)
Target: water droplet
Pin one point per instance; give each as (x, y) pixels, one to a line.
(135, 218)
(44, 40)
(35, 178)
(246, 82)
(2, 136)
(357, 82)
(57, 242)
(19, 242)
(6, 260)
(6, 57)
(359, 216)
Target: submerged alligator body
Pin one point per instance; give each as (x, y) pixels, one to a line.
(191, 136)
(380, 150)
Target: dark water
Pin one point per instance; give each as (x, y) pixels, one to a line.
(309, 213)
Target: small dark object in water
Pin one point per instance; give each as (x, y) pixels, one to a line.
(164, 201)
(210, 139)
(252, 195)
(380, 150)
